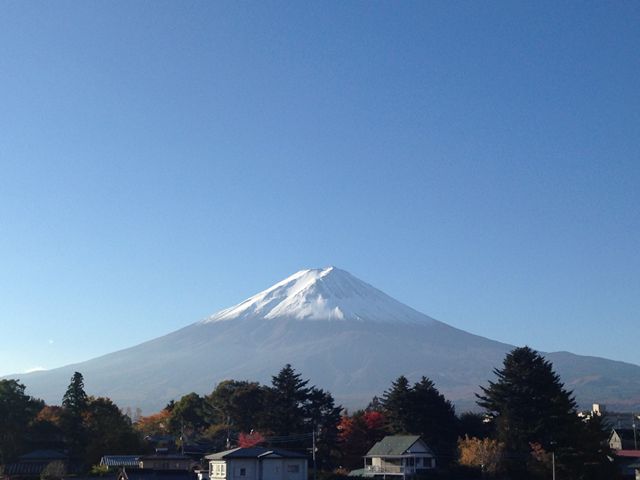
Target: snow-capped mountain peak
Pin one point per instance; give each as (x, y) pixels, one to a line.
(322, 294)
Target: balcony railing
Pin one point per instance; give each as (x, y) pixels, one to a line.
(390, 469)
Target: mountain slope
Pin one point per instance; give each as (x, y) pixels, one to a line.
(343, 334)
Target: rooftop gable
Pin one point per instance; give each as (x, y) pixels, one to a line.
(393, 445)
(254, 452)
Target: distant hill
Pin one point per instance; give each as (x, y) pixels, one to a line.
(336, 330)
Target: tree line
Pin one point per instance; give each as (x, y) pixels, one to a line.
(528, 422)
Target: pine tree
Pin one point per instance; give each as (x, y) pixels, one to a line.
(434, 419)
(530, 407)
(286, 399)
(397, 406)
(74, 406)
(422, 410)
(75, 399)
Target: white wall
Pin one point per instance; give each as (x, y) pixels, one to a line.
(284, 469)
(236, 468)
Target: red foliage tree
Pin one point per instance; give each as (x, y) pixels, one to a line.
(357, 434)
(251, 439)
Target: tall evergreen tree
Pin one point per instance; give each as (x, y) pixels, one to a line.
(397, 406)
(530, 407)
(75, 404)
(75, 399)
(422, 410)
(286, 400)
(434, 419)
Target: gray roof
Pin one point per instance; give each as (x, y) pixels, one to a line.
(25, 468)
(120, 460)
(393, 445)
(169, 456)
(254, 452)
(358, 472)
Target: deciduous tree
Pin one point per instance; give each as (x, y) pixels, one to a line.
(17, 410)
(484, 454)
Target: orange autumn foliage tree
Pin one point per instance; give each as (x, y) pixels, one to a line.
(485, 454)
(158, 423)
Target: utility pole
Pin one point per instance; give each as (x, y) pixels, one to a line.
(553, 460)
(182, 436)
(313, 453)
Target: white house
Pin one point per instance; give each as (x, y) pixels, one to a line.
(400, 456)
(257, 463)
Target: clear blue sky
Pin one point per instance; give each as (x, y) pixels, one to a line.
(479, 161)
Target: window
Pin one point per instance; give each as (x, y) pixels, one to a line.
(243, 472)
(293, 468)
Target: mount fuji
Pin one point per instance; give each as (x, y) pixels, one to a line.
(343, 334)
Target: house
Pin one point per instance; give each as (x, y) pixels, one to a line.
(257, 463)
(398, 455)
(624, 439)
(167, 462)
(32, 464)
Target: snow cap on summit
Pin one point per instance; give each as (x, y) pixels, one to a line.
(322, 294)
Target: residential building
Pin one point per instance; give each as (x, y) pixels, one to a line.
(398, 456)
(624, 439)
(167, 462)
(257, 463)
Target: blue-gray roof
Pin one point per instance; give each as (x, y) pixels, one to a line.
(254, 452)
(120, 460)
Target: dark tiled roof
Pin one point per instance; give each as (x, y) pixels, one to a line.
(393, 445)
(120, 460)
(25, 468)
(173, 456)
(254, 452)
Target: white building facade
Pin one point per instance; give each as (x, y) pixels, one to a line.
(257, 463)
